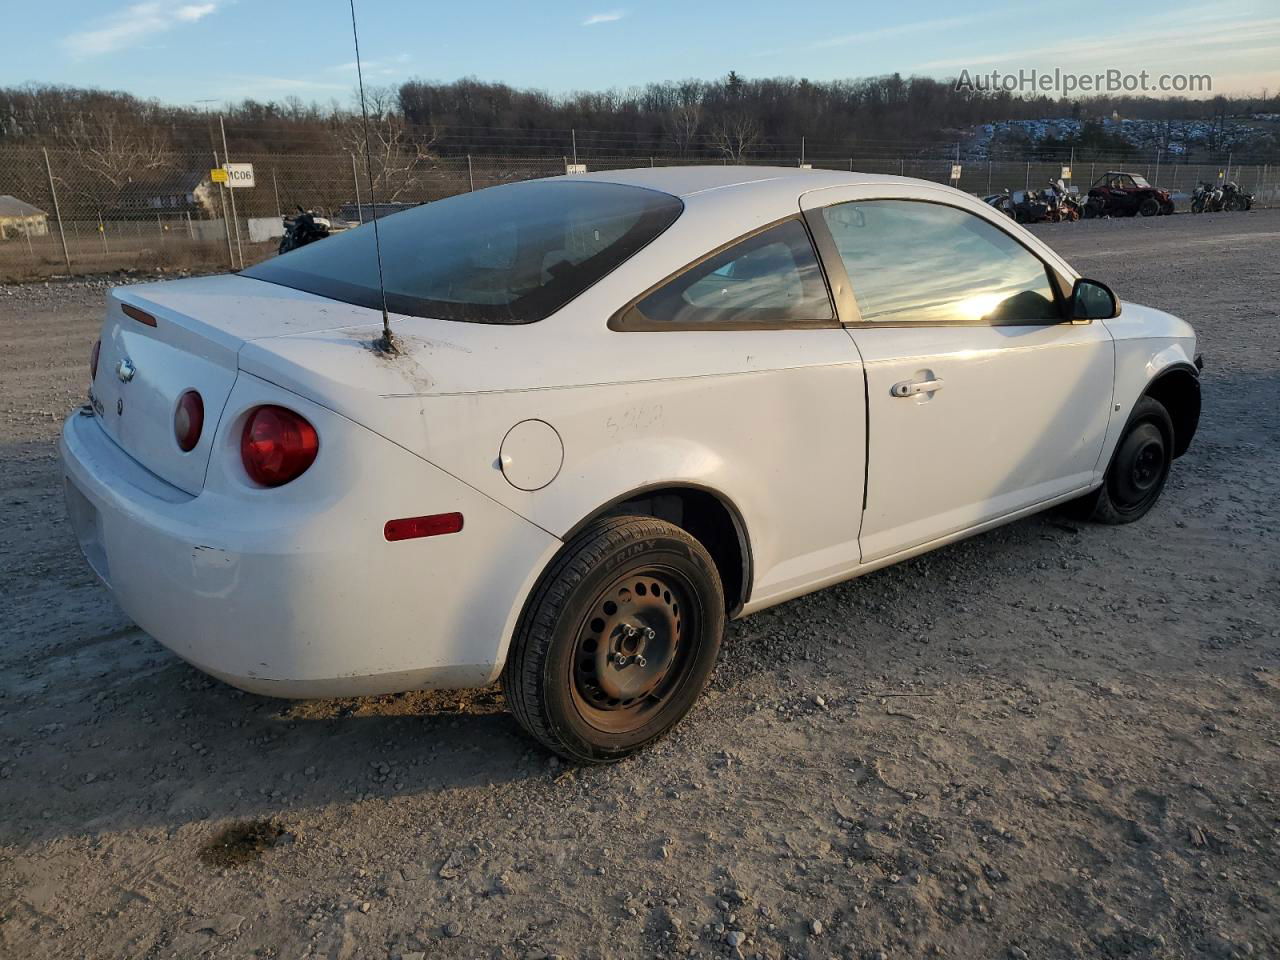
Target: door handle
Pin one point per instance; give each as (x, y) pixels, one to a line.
(910, 388)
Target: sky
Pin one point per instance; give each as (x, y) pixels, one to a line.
(191, 51)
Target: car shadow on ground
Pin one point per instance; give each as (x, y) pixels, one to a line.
(159, 744)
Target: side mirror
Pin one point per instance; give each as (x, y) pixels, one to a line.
(1093, 300)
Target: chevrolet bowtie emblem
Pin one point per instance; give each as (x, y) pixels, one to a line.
(125, 370)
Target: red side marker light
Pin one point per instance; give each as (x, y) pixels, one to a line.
(140, 315)
(410, 528)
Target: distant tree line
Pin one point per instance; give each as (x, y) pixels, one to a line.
(732, 118)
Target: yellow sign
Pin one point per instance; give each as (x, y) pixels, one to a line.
(218, 175)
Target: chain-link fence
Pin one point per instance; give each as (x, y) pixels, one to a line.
(66, 212)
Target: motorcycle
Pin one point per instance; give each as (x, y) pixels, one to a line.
(1028, 207)
(1001, 202)
(1064, 206)
(1207, 198)
(303, 229)
(1233, 198)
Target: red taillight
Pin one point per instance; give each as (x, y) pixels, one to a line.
(188, 420)
(93, 360)
(410, 528)
(277, 446)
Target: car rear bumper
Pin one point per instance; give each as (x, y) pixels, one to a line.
(296, 593)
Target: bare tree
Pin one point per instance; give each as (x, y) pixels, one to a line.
(109, 150)
(400, 157)
(684, 119)
(735, 133)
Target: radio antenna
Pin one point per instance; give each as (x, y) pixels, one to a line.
(387, 343)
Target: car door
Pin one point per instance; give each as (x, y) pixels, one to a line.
(982, 398)
(773, 417)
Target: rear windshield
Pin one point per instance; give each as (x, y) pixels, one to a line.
(509, 254)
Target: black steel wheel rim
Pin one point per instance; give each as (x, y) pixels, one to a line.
(634, 648)
(1140, 466)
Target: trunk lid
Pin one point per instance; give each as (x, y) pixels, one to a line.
(200, 325)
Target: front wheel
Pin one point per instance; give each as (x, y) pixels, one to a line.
(1149, 207)
(1138, 470)
(617, 641)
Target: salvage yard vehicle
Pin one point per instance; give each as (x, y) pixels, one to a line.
(620, 408)
(1117, 194)
(302, 229)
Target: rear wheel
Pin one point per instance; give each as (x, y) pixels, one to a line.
(618, 640)
(1138, 470)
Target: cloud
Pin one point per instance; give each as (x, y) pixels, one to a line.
(132, 25)
(607, 17)
(1180, 44)
(195, 11)
(381, 67)
(903, 29)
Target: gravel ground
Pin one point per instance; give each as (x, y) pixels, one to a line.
(1054, 740)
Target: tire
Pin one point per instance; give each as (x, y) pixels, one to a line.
(1197, 205)
(1149, 207)
(602, 664)
(1166, 209)
(1091, 211)
(1138, 470)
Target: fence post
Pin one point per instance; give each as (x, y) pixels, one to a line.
(191, 230)
(471, 174)
(160, 227)
(102, 232)
(57, 213)
(988, 176)
(355, 178)
(226, 225)
(276, 187)
(226, 156)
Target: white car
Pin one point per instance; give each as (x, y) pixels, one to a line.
(626, 406)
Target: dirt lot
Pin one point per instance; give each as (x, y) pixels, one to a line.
(1055, 740)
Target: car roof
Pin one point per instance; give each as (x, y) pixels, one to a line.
(757, 181)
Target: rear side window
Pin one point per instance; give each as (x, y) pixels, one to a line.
(771, 278)
(509, 254)
(915, 262)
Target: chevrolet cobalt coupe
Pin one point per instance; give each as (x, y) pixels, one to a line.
(624, 407)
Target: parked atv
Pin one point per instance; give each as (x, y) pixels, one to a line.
(305, 228)
(1128, 195)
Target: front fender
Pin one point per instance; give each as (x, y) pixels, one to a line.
(1149, 343)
